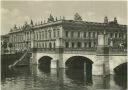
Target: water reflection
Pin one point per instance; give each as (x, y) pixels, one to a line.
(120, 79)
(34, 78)
(79, 77)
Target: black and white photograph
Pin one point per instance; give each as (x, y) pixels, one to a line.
(63, 45)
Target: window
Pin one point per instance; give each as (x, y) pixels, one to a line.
(42, 34)
(120, 35)
(89, 34)
(79, 44)
(78, 34)
(58, 33)
(73, 44)
(93, 34)
(37, 44)
(72, 34)
(45, 34)
(45, 45)
(111, 35)
(50, 45)
(84, 34)
(85, 44)
(66, 33)
(89, 44)
(54, 33)
(67, 44)
(42, 45)
(115, 35)
(94, 44)
(49, 34)
(54, 45)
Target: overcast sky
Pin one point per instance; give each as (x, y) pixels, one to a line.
(17, 12)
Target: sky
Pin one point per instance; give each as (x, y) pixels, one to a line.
(19, 12)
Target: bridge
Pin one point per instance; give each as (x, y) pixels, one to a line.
(98, 61)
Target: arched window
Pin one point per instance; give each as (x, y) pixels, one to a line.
(79, 44)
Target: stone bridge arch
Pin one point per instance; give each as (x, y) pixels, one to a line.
(115, 61)
(92, 57)
(79, 62)
(89, 56)
(53, 58)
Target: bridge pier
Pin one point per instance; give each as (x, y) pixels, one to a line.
(33, 59)
(54, 63)
(59, 52)
(103, 55)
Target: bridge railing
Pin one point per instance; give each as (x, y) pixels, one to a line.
(116, 49)
(64, 49)
(42, 49)
(80, 49)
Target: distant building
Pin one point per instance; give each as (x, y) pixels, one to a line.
(4, 44)
(76, 34)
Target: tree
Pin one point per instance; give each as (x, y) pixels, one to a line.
(4, 45)
(10, 45)
(77, 17)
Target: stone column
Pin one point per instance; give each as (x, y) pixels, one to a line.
(101, 67)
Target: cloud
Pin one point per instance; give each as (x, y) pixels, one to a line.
(90, 13)
(10, 18)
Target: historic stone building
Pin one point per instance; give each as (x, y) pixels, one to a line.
(76, 34)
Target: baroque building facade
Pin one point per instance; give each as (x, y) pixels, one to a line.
(76, 34)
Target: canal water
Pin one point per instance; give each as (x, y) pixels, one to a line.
(35, 78)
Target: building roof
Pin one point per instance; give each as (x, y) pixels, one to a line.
(67, 23)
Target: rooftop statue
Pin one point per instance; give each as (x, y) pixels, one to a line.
(51, 18)
(77, 17)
